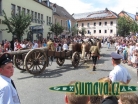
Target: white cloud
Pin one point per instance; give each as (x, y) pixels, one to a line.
(130, 6)
(74, 6)
(77, 6)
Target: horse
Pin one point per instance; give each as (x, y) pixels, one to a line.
(82, 48)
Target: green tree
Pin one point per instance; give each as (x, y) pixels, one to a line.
(82, 31)
(56, 28)
(74, 30)
(134, 27)
(17, 24)
(124, 26)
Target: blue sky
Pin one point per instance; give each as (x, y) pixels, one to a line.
(82, 6)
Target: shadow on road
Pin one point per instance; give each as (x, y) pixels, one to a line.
(52, 73)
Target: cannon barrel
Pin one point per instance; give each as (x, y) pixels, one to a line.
(24, 51)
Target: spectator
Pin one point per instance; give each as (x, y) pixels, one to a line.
(8, 93)
(65, 46)
(128, 98)
(95, 99)
(108, 99)
(35, 44)
(71, 98)
(44, 44)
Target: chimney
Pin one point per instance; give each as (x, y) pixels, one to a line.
(106, 9)
(54, 7)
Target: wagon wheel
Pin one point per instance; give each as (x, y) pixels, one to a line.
(19, 63)
(60, 61)
(75, 59)
(35, 61)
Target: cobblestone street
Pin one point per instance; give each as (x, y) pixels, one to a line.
(35, 89)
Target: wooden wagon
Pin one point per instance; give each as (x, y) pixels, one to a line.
(35, 61)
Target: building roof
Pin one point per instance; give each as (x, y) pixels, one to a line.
(132, 16)
(103, 14)
(62, 12)
(43, 3)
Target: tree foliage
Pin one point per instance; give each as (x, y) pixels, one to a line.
(56, 28)
(126, 25)
(17, 24)
(82, 31)
(74, 30)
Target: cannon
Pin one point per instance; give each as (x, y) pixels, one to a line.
(35, 61)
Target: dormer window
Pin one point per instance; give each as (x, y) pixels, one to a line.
(54, 7)
(40, 1)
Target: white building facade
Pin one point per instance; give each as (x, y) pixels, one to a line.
(99, 23)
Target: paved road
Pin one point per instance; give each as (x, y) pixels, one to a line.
(35, 89)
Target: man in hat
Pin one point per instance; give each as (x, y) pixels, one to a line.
(119, 73)
(8, 93)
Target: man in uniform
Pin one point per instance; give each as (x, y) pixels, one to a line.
(119, 73)
(50, 45)
(8, 93)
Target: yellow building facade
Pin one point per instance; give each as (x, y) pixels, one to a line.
(40, 11)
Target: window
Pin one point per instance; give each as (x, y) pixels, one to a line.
(18, 9)
(24, 10)
(41, 18)
(105, 31)
(47, 20)
(82, 24)
(105, 23)
(35, 17)
(94, 31)
(111, 31)
(0, 6)
(61, 22)
(32, 14)
(13, 10)
(28, 11)
(38, 17)
(99, 31)
(94, 23)
(89, 32)
(88, 24)
(111, 23)
(100, 23)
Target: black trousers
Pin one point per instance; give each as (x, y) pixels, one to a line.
(94, 59)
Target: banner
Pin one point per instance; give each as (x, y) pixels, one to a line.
(69, 25)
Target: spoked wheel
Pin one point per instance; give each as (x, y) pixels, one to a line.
(35, 61)
(19, 62)
(75, 59)
(60, 61)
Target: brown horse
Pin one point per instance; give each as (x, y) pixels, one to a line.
(81, 48)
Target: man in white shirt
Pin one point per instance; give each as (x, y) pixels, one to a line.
(35, 44)
(65, 46)
(8, 93)
(119, 73)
